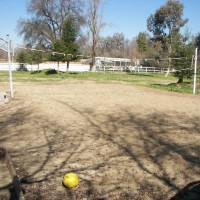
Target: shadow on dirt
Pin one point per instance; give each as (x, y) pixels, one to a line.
(155, 144)
(134, 155)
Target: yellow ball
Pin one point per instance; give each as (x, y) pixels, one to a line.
(70, 180)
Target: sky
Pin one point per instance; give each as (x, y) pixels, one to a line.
(122, 16)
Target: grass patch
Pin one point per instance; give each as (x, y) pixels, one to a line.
(153, 80)
(176, 87)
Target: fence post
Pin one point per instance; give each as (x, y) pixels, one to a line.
(195, 71)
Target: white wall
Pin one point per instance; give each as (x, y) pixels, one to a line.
(62, 67)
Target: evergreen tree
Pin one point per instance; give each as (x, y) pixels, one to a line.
(57, 54)
(21, 59)
(142, 42)
(69, 40)
(197, 40)
(67, 44)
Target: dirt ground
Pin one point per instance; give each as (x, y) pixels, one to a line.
(124, 142)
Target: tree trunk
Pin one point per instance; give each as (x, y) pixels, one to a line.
(169, 60)
(93, 65)
(167, 73)
(58, 64)
(180, 76)
(180, 80)
(95, 25)
(38, 67)
(67, 69)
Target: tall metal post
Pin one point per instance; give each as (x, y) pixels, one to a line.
(195, 71)
(10, 67)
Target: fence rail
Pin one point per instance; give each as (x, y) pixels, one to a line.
(137, 69)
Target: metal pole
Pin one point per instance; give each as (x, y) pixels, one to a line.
(10, 67)
(195, 71)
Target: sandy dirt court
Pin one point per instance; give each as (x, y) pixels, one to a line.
(123, 141)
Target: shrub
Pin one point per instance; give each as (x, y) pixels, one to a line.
(22, 67)
(50, 71)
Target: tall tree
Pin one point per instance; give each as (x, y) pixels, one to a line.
(57, 54)
(197, 40)
(142, 42)
(184, 49)
(166, 23)
(114, 46)
(67, 47)
(95, 26)
(45, 27)
(119, 43)
(69, 40)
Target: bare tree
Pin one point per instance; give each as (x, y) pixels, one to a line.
(45, 27)
(114, 46)
(95, 10)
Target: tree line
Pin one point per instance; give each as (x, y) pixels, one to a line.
(73, 27)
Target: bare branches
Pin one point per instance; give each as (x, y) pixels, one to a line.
(95, 24)
(48, 18)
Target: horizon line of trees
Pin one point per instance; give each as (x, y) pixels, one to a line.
(57, 26)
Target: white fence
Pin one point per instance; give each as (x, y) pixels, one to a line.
(78, 67)
(73, 67)
(138, 69)
(151, 69)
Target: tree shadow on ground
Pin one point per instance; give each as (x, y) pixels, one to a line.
(155, 144)
(118, 155)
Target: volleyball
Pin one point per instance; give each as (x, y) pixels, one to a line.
(70, 180)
